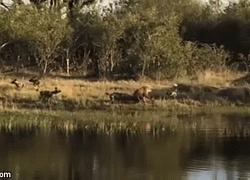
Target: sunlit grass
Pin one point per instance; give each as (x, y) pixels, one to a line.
(130, 121)
(79, 94)
(209, 77)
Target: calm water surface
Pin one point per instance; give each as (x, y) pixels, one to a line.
(201, 148)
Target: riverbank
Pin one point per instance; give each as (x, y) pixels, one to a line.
(78, 94)
(112, 121)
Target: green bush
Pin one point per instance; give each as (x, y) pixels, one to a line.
(41, 30)
(155, 38)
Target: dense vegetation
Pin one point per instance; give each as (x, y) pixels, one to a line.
(155, 38)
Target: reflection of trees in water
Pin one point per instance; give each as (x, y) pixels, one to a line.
(132, 149)
(78, 154)
(14, 134)
(159, 151)
(228, 125)
(7, 139)
(31, 153)
(123, 153)
(94, 156)
(229, 154)
(224, 145)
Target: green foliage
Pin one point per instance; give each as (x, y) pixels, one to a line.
(239, 10)
(164, 52)
(136, 38)
(42, 29)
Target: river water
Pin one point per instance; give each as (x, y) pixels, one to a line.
(190, 148)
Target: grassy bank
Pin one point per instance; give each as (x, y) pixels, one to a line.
(82, 94)
(109, 122)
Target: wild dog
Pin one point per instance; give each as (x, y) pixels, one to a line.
(35, 81)
(182, 88)
(121, 97)
(19, 85)
(173, 91)
(46, 95)
(172, 94)
(142, 94)
(194, 88)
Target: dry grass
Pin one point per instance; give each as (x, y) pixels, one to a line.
(72, 89)
(76, 88)
(223, 78)
(80, 92)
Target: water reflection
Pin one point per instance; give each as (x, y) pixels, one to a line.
(211, 147)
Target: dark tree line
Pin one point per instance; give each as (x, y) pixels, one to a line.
(135, 39)
(230, 29)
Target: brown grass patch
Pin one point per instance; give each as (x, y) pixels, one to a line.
(223, 78)
(83, 93)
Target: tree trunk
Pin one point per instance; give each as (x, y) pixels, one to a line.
(67, 62)
(45, 67)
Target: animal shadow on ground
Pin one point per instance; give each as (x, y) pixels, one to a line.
(28, 103)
